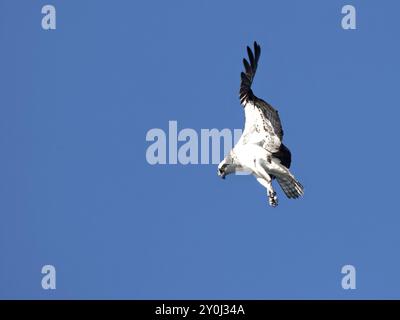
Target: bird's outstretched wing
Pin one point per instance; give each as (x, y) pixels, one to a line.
(250, 72)
(267, 117)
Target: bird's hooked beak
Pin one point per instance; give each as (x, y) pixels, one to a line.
(221, 172)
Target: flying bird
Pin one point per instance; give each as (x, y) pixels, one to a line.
(260, 149)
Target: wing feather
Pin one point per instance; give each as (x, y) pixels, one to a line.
(268, 114)
(247, 66)
(251, 56)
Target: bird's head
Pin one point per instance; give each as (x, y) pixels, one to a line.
(225, 167)
(221, 170)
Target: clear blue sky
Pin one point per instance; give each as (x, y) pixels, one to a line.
(76, 190)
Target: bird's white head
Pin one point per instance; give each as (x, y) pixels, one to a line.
(226, 166)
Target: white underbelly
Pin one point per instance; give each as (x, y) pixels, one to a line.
(248, 154)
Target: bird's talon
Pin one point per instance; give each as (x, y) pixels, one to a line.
(273, 199)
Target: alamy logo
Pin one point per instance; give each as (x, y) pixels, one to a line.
(187, 146)
(49, 278)
(49, 20)
(349, 280)
(349, 20)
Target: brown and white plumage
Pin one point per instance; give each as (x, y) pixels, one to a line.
(260, 148)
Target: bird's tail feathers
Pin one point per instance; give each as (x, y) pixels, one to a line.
(290, 186)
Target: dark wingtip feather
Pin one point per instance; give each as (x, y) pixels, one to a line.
(251, 56)
(247, 66)
(250, 67)
(245, 79)
(257, 50)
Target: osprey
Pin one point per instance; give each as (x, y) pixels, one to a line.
(260, 149)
